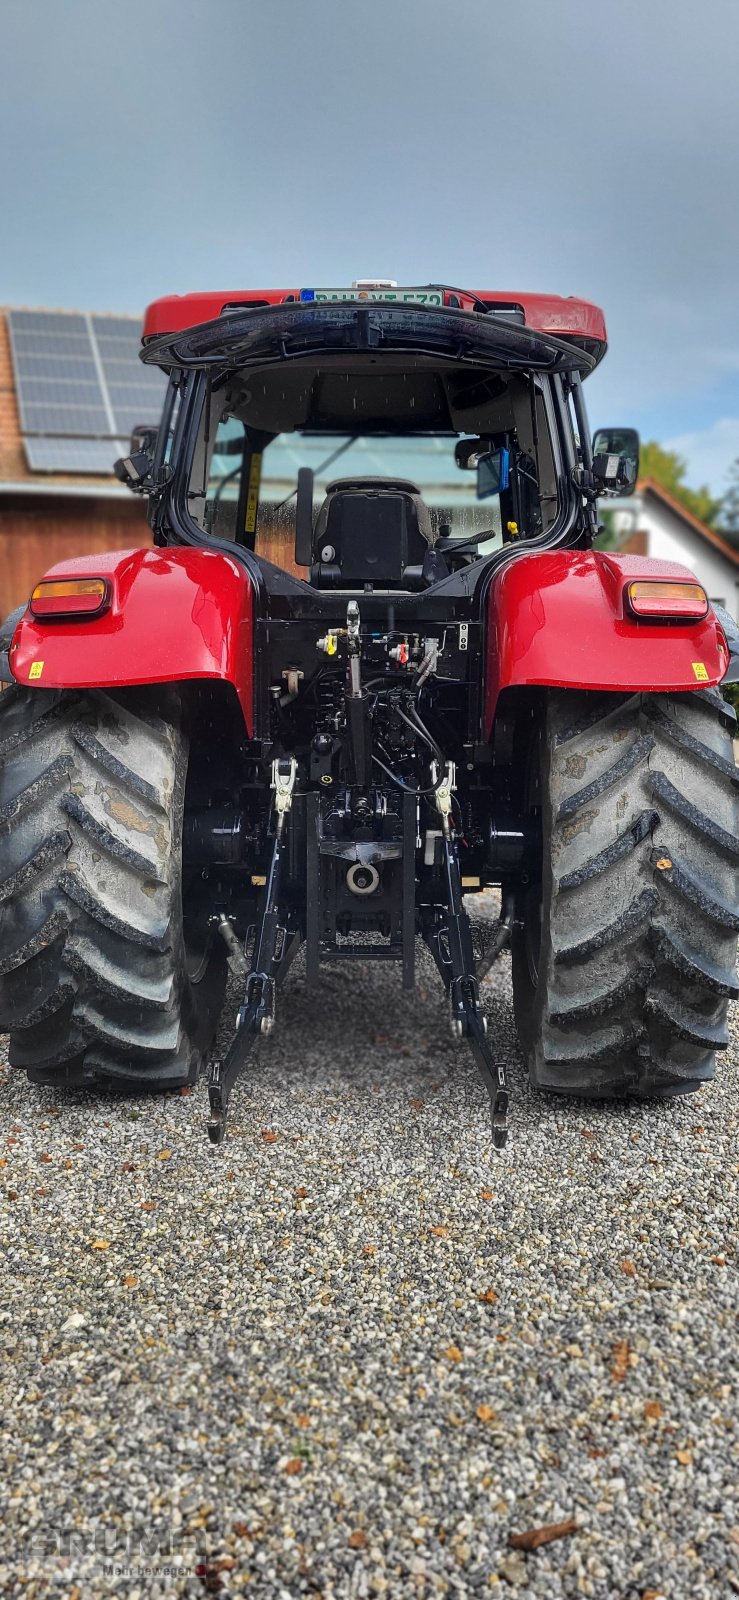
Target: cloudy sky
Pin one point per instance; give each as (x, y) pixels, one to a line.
(561, 145)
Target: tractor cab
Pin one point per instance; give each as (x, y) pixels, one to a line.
(375, 439)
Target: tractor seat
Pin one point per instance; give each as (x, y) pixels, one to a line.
(371, 530)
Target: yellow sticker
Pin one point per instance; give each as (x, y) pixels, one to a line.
(252, 497)
(700, 671)
(36, 668)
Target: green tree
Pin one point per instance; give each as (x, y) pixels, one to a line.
(728, 523)
(668, 468)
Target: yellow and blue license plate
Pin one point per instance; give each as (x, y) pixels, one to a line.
(399, 297)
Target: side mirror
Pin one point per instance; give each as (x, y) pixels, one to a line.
(492, 473)
(615, 460)
(135, 469)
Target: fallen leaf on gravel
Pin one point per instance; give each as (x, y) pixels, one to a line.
(185, 1090)
(416, 1104)
(357, 1540)
(440, 1231)
(3, 1161)
(453, 1353)
(43, 1192)
(12, 1194)
(533, 1538)
(100, 1244)
(488, 1296)
(653, 1594)
(294, 1466)
(586, 1133)
(77, 1146)
(685, 1457)
(148, 1205)
(230, 1176)
(268, 1136)
(130, 1282)
(303, 1420)
(164, 1155)
(620, 1360)
(300, 1194)
(127, 1166)
(487, 1194)
(654, 1409)
(629, 1268)
(242, 1530)
(719, 1261)
(369, 1250)
(485, 1414)
(68, 1165)
(11, 1141)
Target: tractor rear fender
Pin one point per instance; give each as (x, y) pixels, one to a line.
(559, 620)
(174, 615)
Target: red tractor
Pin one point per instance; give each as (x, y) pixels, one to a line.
(211, 756)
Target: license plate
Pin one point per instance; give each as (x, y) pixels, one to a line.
(400, 297)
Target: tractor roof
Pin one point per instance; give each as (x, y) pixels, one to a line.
(577, 322)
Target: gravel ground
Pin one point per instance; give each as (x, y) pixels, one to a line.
(352, 1351)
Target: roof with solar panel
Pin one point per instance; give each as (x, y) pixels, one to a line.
(78, 389)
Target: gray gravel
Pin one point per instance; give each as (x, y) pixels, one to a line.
(353, 1350)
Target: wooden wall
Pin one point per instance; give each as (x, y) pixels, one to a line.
(36, 534)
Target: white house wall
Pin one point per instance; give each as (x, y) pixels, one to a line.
(671, 539)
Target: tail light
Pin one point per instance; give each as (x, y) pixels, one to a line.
(70, 597)
(662, 600)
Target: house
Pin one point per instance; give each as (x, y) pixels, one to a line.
(654, 523)
(71, 390)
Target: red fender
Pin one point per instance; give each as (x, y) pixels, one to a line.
(174, 614)
(558, 619)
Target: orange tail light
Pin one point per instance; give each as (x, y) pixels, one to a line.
(70, 597)
(662, 600)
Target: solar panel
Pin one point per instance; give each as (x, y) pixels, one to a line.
(136, 392)
(52, 398)
(79, 380)
(74, 455)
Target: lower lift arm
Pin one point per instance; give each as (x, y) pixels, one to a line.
(447, 932)
(274, 948)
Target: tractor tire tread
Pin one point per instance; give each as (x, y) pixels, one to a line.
(93, 975)
(640, 895)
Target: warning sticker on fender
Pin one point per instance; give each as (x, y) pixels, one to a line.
(700, 671)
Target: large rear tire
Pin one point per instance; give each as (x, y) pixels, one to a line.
(97, 983)
(624, 958)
